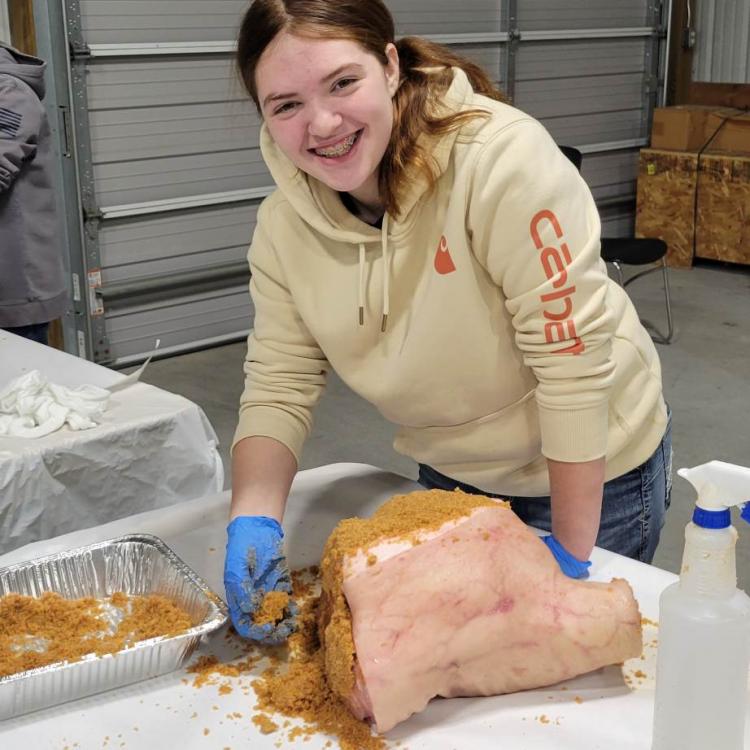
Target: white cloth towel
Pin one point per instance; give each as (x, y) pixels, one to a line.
(32, 407)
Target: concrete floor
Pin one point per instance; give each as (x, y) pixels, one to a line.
(706, 374)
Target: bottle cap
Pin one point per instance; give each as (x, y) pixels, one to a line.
(712, 519)
(719, 486)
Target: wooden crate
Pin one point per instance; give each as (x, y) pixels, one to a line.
(723, 225)
(666, 201)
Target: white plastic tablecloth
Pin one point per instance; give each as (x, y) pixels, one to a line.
(152, 449)
(599, 710)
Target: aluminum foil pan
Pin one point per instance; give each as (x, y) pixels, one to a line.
(135, 564)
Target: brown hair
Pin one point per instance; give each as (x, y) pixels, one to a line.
(425, 70)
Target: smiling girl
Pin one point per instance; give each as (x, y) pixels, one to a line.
(433, 246)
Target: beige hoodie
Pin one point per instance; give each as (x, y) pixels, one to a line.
(505, 340)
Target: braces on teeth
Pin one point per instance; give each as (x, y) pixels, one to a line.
(338, 150)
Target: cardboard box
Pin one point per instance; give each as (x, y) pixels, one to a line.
(679, 128)
(732, 136)
(665, 201)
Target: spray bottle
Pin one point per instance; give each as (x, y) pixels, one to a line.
(704, 624)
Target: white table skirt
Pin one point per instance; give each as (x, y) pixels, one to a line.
(599, 710)
(152, 449)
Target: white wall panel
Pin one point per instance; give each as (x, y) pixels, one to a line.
(166, 128)
(552, 15)
(555, 82)
(445, 16)
(185, 241)
(611, 174)
(162, 81)
(154, 131)
(722, 50)
(586, 58)
(595, 127)
(126, 21)
(566, 97)
(180, 321)
(179, 176)
(490, 56)
(618, 223)
(579, 111)
(4, 21)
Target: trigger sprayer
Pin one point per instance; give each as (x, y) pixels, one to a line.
(704, 624)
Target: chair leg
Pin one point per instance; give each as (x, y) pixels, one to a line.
(618, 268)
(655, 332)
(670, 331)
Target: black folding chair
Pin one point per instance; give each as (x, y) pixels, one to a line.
(634, 251)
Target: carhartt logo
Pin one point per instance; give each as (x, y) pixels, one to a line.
(555, 259)
(443, 261)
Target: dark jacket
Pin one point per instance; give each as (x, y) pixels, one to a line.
(32, 283)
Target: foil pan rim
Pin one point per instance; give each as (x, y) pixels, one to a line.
(216, 617)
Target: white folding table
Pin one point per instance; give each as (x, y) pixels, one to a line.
(610, 709)
(152, 449)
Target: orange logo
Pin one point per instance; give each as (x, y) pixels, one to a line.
(443, 261)
(558, 305)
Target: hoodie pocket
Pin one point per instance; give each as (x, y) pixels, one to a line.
(509, 438)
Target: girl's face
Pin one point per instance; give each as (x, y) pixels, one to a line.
(328, 105)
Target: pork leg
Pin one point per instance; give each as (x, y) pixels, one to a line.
(477, 606)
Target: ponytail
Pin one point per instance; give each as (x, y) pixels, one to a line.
(425, 68)
(426, 74)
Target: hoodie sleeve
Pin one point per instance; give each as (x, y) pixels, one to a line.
(21, 117)
(535, 228)
(285, 370)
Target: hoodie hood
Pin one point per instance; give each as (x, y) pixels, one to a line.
(321, 207)
(26, 68)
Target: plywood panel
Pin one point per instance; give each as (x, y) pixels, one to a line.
(21, 21)
(723, 224)
(665, 201)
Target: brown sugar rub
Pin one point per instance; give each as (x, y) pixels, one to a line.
(294, 685)
(302, 691)
(73, 628)
(403, 517)
(272, 609)
(265, 724)
(208, 669)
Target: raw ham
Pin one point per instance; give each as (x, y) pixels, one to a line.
(449, 594)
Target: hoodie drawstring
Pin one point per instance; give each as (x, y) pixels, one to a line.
(361, 283)
(386, 274)
(386, 277)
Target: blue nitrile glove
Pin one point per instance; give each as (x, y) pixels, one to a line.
(254, 565)
(571, 566)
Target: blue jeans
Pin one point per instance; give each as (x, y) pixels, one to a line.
(633, 507)
(36, 332)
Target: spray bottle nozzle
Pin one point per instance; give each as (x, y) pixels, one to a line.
(719, 486)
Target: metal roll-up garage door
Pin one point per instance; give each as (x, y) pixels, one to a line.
(171, 173)
(165, 143)
(589, 70)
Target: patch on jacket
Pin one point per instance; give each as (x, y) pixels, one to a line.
(10, 121)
